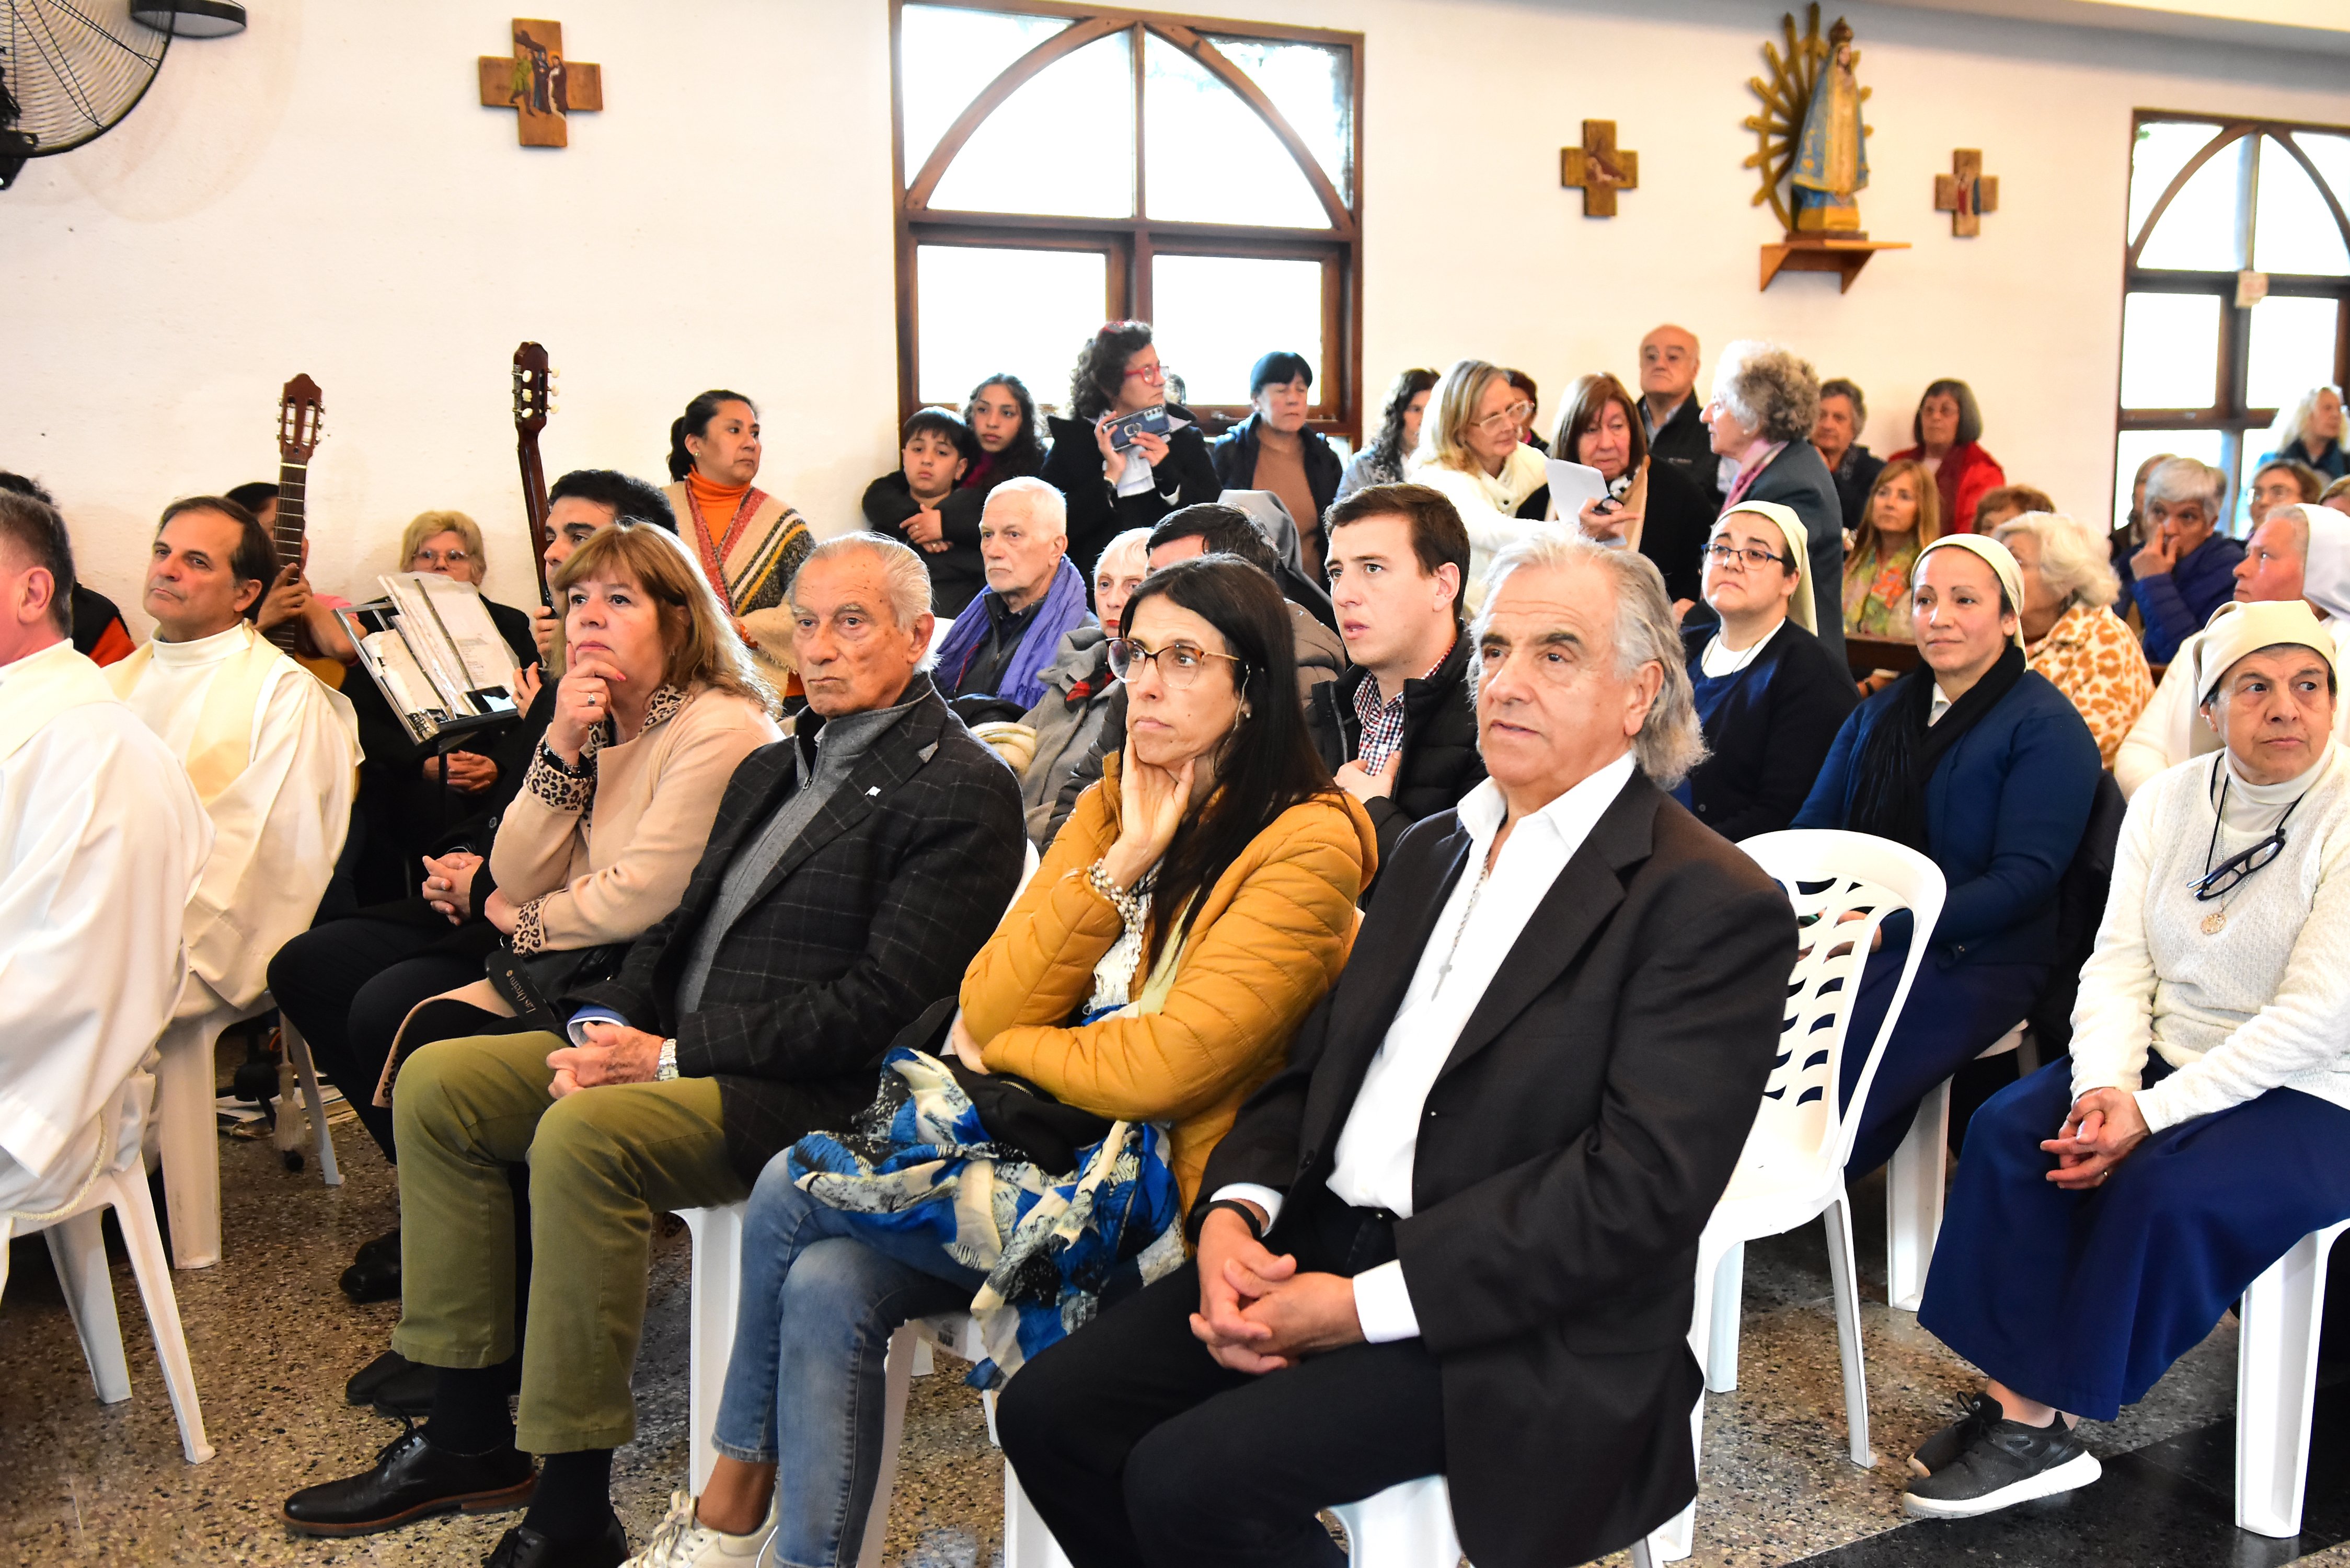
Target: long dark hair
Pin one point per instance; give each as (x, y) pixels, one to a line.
(1266, 765)
(1101, 368)
(1387, 448)
(1025, 454)
(695, 422)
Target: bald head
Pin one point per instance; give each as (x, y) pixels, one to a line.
(1667, 367)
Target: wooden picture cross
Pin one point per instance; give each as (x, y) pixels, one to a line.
(540, 85)
(1966, 192)
(1598, 168)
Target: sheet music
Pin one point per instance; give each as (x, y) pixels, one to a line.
(486, 660)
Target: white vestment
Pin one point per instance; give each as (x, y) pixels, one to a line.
(101, 842)
(273, 752)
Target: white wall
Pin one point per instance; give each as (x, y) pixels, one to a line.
(322, 193)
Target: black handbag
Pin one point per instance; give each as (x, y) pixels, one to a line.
(527, 982)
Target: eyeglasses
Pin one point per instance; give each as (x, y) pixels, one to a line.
(2222, 880)
(1179, 663)
(440, 558)
(1154, 374)
(1515, 414)
(1752, 556)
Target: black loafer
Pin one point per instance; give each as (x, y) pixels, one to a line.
(368, 1380)
(411, 1480)
(523, 1547)
(373, 1277)
(386, 1244)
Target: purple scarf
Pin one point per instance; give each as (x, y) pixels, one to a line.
(1064, 607)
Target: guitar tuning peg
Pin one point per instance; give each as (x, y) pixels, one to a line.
(555, 375)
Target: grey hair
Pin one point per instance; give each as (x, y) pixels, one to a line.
(2075, 564)
(1137, 540)
(908, 580)
(2183, 479)
(2293, 422)
(1769, 388)
(1849, 390)
(1046, 507)
(1671, 742)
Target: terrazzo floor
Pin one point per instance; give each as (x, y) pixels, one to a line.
(272, 1340)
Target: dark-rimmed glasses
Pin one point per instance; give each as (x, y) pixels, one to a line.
(1179, 663)
(1754, 556)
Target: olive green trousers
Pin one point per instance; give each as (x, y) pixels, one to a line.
(603, 1161)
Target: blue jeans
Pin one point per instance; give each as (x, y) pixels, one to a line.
(806, 1383)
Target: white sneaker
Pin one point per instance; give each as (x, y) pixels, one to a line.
(681, 1542)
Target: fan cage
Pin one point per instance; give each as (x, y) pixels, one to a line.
(71, 69)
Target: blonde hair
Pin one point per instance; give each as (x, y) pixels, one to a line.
(2292, 423)
(1444, 433)
(1929, 508)
(702, 646)
(2075, 562)
(425, 524)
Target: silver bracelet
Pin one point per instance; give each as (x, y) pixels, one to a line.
(1128, 905)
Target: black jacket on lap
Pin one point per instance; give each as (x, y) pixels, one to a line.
(1768, 728)
(1439, 763)
(1074, 467)
(957, 573)
(871, 916)
(1571, 1149)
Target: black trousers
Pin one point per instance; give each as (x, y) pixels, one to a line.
(1137, 1447)
(347, 984)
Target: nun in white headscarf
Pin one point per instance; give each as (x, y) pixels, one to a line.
(1985, 767)
(1769, 696)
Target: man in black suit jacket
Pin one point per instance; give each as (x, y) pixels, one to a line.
(851, 874)
(1482, 1179)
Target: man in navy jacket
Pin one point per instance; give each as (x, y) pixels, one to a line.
(2186, 570)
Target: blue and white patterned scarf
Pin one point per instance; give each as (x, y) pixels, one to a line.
(918, 1163)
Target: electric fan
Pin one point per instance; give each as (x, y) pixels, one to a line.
(70, 71)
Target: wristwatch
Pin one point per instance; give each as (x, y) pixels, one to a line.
(667, 1068)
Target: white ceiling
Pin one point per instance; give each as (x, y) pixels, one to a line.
(2321, 26)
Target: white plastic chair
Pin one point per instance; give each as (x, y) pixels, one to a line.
(1409, 1525)
(187, 1130)
(2276, 1380)
(77, 1247)
(1792, 1169)
(1914, 1180)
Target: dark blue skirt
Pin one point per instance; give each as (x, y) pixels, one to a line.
(2083, 1300)
(1952, 1016)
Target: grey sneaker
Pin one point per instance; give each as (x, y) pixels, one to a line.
(2006, 1463)
(1947, 1444)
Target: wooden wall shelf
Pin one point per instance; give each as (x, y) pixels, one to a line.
(1809, 254)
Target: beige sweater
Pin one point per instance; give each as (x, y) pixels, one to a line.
(586, 858)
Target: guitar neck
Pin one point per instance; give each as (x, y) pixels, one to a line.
(535, 504)
(293, 480)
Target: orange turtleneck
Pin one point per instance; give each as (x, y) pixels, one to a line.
(716, 502)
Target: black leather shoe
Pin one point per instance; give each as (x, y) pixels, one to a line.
(411, 1480)
(388, 1242)
(523, 1547)
(374, 1276)
(365, 1382)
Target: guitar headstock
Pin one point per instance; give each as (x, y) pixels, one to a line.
(301, 413)
(534, 388)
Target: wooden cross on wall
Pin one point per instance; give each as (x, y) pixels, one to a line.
(1966, 192)
(538, 83)
(1598, 168)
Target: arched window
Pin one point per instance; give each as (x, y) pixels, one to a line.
(2237, 286)
(1063, 165)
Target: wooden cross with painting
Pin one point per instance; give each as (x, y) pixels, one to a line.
(1966, 192)
(540, 85)
(1598, 168)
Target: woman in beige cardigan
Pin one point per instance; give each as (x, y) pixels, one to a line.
(659, 699)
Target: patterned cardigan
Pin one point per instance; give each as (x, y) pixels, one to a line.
(870, 917)
(2091, 657)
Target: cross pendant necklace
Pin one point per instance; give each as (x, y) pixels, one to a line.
(1444, 971)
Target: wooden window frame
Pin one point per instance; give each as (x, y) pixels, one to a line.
(2228, 413)
(1130, 243)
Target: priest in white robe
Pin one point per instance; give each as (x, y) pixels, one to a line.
(271, 752)
(101, 841)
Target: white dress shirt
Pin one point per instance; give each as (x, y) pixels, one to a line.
(1480, 922)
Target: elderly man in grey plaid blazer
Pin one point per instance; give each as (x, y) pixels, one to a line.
(851, 874)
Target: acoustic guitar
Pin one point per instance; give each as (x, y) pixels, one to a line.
(301, 421)
(534, 399)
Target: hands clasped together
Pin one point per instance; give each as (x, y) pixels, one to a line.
(2099, 1132)
(1257, 1313)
